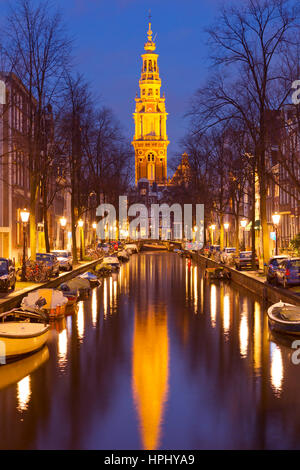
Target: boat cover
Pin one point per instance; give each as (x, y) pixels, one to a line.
(53, 297)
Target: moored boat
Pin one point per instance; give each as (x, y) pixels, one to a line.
(21, 332)
(113, 262)
(284, 318)
(80, 284)
(55, 302)
(70, 294)
(92, 278)
(218, 273)
(123, 256)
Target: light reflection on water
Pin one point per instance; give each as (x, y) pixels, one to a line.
(142, 368)
(23, 393)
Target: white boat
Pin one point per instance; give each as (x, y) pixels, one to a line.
(285, 318)
(21, 333)
(131, 248)
(111, 261)
(123, 255)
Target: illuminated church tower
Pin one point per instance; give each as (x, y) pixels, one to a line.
(150, 140)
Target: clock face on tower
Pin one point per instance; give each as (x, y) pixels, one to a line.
(150, 108)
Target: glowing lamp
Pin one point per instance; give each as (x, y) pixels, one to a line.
(276, 218)
(63, 221)
(25, 216)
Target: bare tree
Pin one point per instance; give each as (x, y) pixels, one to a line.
(248, 43)
(73, 117)
(38, 50)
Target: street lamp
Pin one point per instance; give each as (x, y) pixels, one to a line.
(80, 225)
(24, 217)
(63, 223)
(212, 227)
(226, 226)
(195, 229)
(276, 220)
(94, 225)
(243, 225)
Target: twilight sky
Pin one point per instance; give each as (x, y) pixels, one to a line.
(110, 37)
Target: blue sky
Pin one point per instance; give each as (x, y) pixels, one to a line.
(110, 36)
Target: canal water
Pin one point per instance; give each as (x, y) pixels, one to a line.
(156, 358)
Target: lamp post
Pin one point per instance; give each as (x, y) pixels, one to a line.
(226, 226)
(80, 225)
(212, 227)
(243, 225)
(63, 223)
(24, 217)
(276, 220)
(94, 225)
(195, 231)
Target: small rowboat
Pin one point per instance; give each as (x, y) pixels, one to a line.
(92, 278)
(21, 332)
(54, 302)
(284, 318)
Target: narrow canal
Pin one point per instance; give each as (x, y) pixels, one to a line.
(156, 358)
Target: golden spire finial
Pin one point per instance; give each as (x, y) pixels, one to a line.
(150, 45)
(149, 34)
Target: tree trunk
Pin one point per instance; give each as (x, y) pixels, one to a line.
(237, 232)
(73, 224)
(221, 232)
(33, 201)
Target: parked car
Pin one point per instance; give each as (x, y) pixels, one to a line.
(244, 260)
(7, 274)
(64, 258)
(50, 260)
(227, 254)
(273, 266)
(288, 272)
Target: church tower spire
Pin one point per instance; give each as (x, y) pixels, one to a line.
(150, 139)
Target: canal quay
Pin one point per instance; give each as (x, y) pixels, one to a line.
(158, 357)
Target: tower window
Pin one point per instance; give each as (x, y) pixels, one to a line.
(151, 157)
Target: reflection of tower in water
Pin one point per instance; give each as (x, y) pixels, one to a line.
(150, 358)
